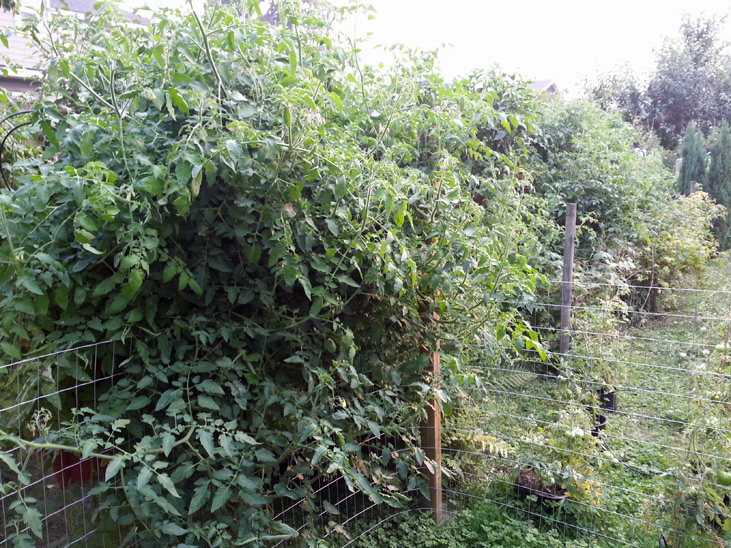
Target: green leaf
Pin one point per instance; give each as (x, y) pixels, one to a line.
(246, 438)
(153, 185)
(200, 496)
(170, 270)
(32, 519)
(347, 280)
(317, 455)
(332, 227)
(31, 285)
(115, 465)
(195, 184)
(92, 249)
(61, 296)
(225, 442)
(220, 498)
(168, 440)
(107, 285)
(398, 214)
(180, 78)
(158, 53)
(183, 172)
(10, 350)
(286, 530)
(336, 99)
(178, 100)
(252, 253)
(208, 403)
(265, 455)
(206, 439)
(144, 477)
(341, 189)
(234, 149)
(86, 145)
(159, 98)
(117, 304)
(86, 223)
(170, 528)
(49, 132)
(183, 280)
(290, 273)
(128, 262)
(136, 277)
(9, 461)
(195, 287)
(40, 304)
(167, 483)
(210, 386)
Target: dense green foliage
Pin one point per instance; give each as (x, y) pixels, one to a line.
(280, 232)
(484, 525)
(586, 156)
(693, 156)
(691, 80)
(719, 178)
(690, 83)
(631, 229)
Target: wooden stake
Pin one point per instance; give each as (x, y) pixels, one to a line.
(431, 442)
(568, 274)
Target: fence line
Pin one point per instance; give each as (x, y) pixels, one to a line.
(669, 426)
(672, 381)
(40, 396)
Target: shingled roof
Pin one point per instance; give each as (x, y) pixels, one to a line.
(22, 55)
(548, 86)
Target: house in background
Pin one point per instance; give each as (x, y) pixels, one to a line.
(544, 86)
(20, 53)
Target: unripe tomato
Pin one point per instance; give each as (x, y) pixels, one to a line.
(724, 478)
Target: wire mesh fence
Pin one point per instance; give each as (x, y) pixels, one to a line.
(54, 491)
(621, 440)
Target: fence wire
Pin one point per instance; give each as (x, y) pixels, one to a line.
(620, 441)
(39, 396)
(617, 442)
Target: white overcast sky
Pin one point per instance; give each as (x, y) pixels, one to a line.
(565, 40)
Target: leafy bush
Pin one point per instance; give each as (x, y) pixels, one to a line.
(632, 231)
(282, 233)
(693, 155)
(587, 156)
(484, 525)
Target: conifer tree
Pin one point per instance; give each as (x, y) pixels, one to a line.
(719, 180)
(693, 155)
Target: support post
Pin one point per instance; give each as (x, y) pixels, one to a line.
(568, 274)
(431, 442)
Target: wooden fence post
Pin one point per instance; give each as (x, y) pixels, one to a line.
(568, 274)
(431, 442)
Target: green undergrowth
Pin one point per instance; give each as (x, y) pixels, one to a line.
(652, 474)
(482, 525)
